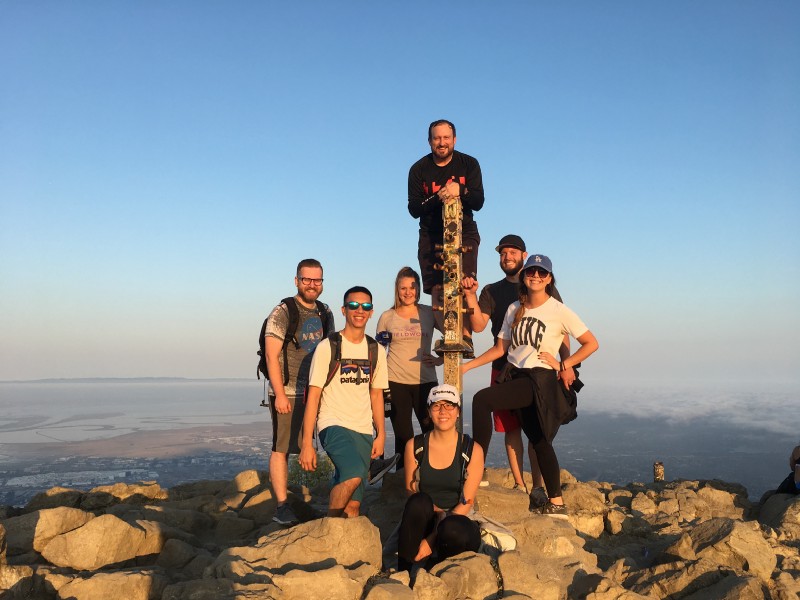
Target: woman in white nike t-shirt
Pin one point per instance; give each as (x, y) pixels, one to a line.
(537, 383)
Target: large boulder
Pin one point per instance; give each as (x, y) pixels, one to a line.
(55, 497)
(2, 545)
(468, 575)
(138, 493)
(34, 530)
(782, 513)
(735, 544)
(312, 546)
(127, 585)
(108, 540)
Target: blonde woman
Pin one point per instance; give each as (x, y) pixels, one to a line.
(407, 328)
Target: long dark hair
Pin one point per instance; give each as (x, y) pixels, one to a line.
(523, 295)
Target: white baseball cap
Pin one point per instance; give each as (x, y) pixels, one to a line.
(445, 392)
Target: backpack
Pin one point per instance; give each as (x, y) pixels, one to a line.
(421, 447)
(335, 340)
(291, 335)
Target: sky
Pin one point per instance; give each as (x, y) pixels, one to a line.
(165, 165)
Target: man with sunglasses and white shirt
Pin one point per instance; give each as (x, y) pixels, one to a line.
(346, 404)
(288, 365)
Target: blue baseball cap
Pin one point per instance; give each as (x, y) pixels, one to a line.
(538, 260)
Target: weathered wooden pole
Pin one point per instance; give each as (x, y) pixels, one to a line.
(452, 345)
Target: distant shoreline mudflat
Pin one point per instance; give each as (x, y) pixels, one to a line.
(160, 443)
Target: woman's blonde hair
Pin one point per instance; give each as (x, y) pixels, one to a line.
(523, 295)
(402, 274)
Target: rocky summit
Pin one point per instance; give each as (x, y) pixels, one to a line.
(215, 540)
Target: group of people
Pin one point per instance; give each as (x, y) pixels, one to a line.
(334, 382)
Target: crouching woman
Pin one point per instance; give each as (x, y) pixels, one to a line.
(442, 475)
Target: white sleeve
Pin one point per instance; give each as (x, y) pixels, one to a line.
(572, 323)
(320, 363)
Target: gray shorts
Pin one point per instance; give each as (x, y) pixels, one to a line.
(287, 429)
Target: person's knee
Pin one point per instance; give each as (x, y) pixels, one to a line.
(457, 534)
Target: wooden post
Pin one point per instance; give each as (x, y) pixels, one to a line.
(452, 345)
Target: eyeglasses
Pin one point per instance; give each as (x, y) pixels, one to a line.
(443, 406)
(353, 305)
(310, 281)
(537, 272)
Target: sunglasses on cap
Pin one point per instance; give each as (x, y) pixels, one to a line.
(353, 305)
(537, 271)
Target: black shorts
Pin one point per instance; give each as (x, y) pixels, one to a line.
(426, 253)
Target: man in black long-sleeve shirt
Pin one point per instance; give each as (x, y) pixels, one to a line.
(437, 178)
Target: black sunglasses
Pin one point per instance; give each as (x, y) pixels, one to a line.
(538, 271)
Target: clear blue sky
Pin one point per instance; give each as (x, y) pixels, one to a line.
(164, 166)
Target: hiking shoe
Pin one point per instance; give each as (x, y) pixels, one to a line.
(538, 500)
(484, 480)
(285, 515)
(555, 510)
(380, 467)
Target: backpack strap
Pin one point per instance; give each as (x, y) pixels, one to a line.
(335, 340)
(291, 332)
(467, 444)
(420, 447)
(326, 317)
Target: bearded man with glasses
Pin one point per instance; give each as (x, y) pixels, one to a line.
(288, 357)
(345, 401)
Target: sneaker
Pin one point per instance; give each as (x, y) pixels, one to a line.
(380, 467)
(484, 480)
(285, 515)
(555, 510)
(538, 500)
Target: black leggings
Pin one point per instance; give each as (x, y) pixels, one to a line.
(511, 395)
(407, 399)
(454, 535)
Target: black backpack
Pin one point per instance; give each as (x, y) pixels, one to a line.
(335, 340)
(421, 446)
(291, 335)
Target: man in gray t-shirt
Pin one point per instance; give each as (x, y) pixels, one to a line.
(292, 357)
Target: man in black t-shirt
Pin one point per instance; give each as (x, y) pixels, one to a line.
(437, 178)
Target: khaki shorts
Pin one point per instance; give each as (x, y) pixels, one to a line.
(287, 429)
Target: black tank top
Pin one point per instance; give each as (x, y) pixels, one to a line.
(442, 485)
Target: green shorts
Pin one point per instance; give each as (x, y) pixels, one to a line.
(350, 453)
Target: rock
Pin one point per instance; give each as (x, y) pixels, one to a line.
(136, 493)
(260, 508)
(606, 589)
(782, 513)
(2, 545)
(680, 550)
(388, 589)
(176, 554)
(34, 530)
(620, 497)
(468, 575)
(194, 489)
(333, 583)
(17, 580)
(673, 579)
(107, 540)
(582, 497)
(428, 587)
(312, 546)
(538, 578)
(723, 503)
(643, 504)
(122, 585)
(191, 521)
(231, 527)
(732, 587)
(55, 497)
(613, 521)
(734, 544)
(204, 589)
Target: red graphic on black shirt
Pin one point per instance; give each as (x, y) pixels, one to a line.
(435, 187)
